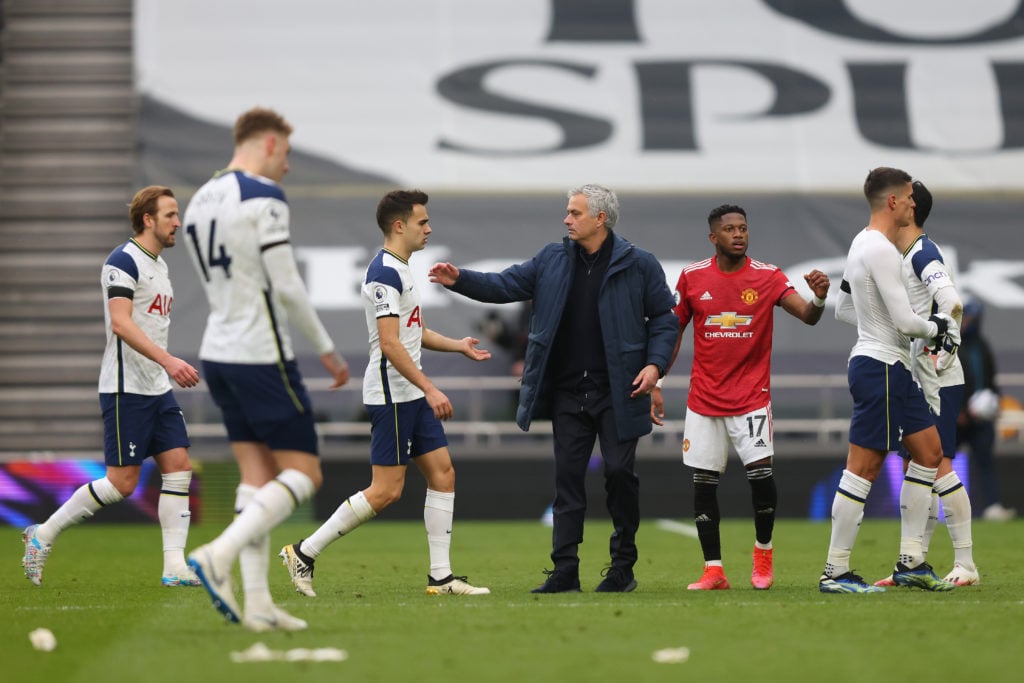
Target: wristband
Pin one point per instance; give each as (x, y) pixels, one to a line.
(659, 382)
(820, 303)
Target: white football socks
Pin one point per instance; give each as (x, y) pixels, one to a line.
(438, 511)
(254, 559)
(271, 505)
(915, 500)
(175, 517)
(356, 510)
(957, 506)
(82, 505)
(847, 513)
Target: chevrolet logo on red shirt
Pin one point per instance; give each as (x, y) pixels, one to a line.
(729, 320)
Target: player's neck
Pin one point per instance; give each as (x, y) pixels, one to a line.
(907, 236)
(246, 163)
(727, 263)
(887, 228)
(397, 249)
(149, 242)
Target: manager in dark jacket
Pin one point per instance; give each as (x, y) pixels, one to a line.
(601, 335)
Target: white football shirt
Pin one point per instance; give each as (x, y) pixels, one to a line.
(389, 290)
(132, 272)
(885, 320)
(230, 222)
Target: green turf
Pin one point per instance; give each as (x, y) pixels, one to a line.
(101, 597)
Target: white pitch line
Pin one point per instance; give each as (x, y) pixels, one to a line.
(677, 527)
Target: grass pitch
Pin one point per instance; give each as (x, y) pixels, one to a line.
(102, 598)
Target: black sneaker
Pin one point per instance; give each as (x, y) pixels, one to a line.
(560, 581)
(616, 580)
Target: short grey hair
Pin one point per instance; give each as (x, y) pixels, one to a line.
(599, 198)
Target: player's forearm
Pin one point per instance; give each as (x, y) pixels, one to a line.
(132, 335)
(436, 341)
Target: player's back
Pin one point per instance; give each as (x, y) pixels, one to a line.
(229, 222)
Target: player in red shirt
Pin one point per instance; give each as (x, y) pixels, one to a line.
(730, 298)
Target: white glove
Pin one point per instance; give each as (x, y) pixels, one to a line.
(983, 405)
(944, 359)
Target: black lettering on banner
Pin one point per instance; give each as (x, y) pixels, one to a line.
(833, 16)
(466, 87)
(589, 21)
(880, 103)
(1010, 77)
(666, 98)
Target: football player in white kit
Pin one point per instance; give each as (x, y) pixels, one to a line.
(141, 417)
(888, 407)
(405, 407)
(237, 232)
(932, 288)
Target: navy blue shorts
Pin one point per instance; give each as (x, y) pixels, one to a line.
(136, 427)
(887, 403)
(400, 431)
(945, 422)
(263, 403)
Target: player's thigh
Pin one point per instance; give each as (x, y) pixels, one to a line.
(705, 442)
(877, 404)
(401, 431)
(129, 424)
(752, 434)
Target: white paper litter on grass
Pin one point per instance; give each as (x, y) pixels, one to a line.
(261, 653)
(671, 655)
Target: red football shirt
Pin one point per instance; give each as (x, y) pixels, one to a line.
(732, 333)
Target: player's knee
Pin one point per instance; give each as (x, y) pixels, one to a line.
(381, 496)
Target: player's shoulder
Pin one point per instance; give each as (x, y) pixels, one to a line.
(385, 268)
(697, 266)
(928, 248)
(250, 185)
(124, 257)
(257, 187)
(762, 266)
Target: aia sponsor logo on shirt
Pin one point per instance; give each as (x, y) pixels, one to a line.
(415, 318)
(161, 305)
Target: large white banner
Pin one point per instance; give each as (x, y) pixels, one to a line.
(663, 95)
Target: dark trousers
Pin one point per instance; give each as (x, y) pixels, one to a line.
(980, 438)
(580, 417)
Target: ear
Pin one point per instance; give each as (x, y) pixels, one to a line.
(397, 227)
(270, 143)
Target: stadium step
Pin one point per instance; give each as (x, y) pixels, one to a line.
(28, 369)
(57, 133)
(41, 202)
(95, 236)
(90, 167)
